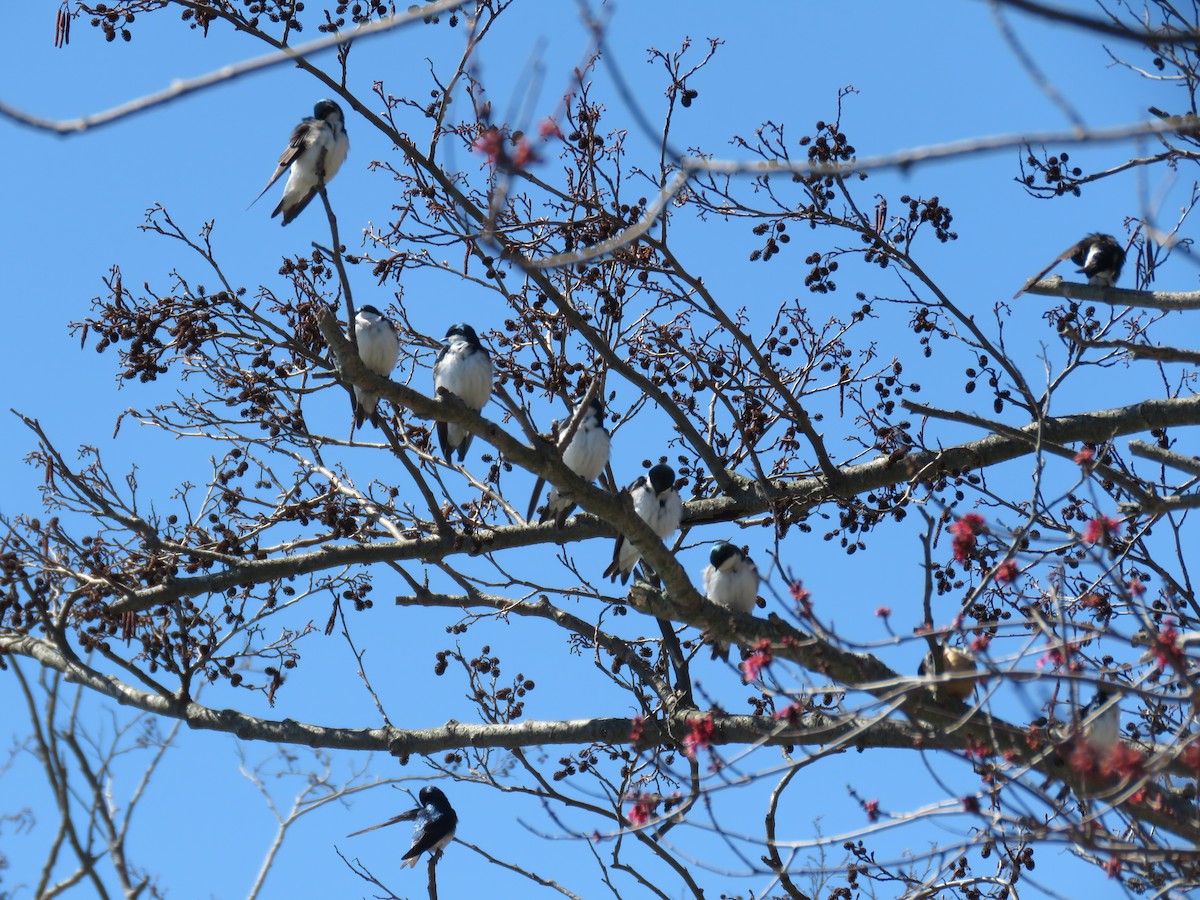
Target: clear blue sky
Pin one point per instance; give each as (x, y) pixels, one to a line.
(926, 73)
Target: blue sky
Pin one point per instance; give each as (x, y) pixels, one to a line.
(924, 73)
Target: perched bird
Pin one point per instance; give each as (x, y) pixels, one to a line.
(659, 505)
(318, 145)
(433, 828)
(379, 348)
(954, 661)
(586, 455)
(1101, 721)
(464, 368)
(731, 581)
(1098, 256)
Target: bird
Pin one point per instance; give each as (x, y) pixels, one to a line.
(1098, 256)
(659, 505)
(955, 661)
(379, 348)
(731, 581)
(1101, 720)
(586, 455)
(434, 823)
(464, 368)
(318, 144)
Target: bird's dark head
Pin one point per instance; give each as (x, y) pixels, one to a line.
(328, 110)
(721, 552)
(597, 406)
(370, 311)
(661, 478)
(434, 796)
(1103, 694)
(464, 331)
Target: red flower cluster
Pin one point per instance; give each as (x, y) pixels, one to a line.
(642, 810)
(757, 661)
(1007, 571)
(699, 737)
(965, 531)
(493, 144)
(792, 713)
(1167, 652)
(872, 808)
(978, 750)
(1085, 456)
(1123, 761)
(637, 729)
(802, 597)
(980, 643)
(1100, 529)
(1190, 757)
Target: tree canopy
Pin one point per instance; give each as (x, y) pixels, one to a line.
(968, 511)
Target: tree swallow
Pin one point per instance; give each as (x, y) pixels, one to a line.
(731, 581)
(464, 368)
(318, 143)
(1101, 722)
(659, 505)
(954, 661)
(586, 456)
(1098, 256)
(434, 822)
(379, 348)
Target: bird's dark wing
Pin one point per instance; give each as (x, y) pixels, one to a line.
(403, 817)
(428, 832)
(1066, 254)
(302, 135)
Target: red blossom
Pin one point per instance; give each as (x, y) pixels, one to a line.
(979, 750)
(802, 597)
(1136, 587)
(1007, 571)
(1085, 456)
(642, 810)
(699, 737)
(792, 713)
(1190, 757)
(1053, 656)
(883, 611)
(965, 531)
(970, 804)
(548, 129)
(981, 642)
(1100, 529)
(1083, 758)
(637, 729)
(757, 661)
(1167, 652)
(525, 154)
(1123, 761)
(491, 144)
(1112, 868)
(872, 808)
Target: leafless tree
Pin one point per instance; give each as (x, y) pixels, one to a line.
(1052, 549)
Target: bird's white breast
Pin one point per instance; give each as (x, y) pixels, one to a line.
(734, 585)
(466, 373)
(378, 347)
(587, 454)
